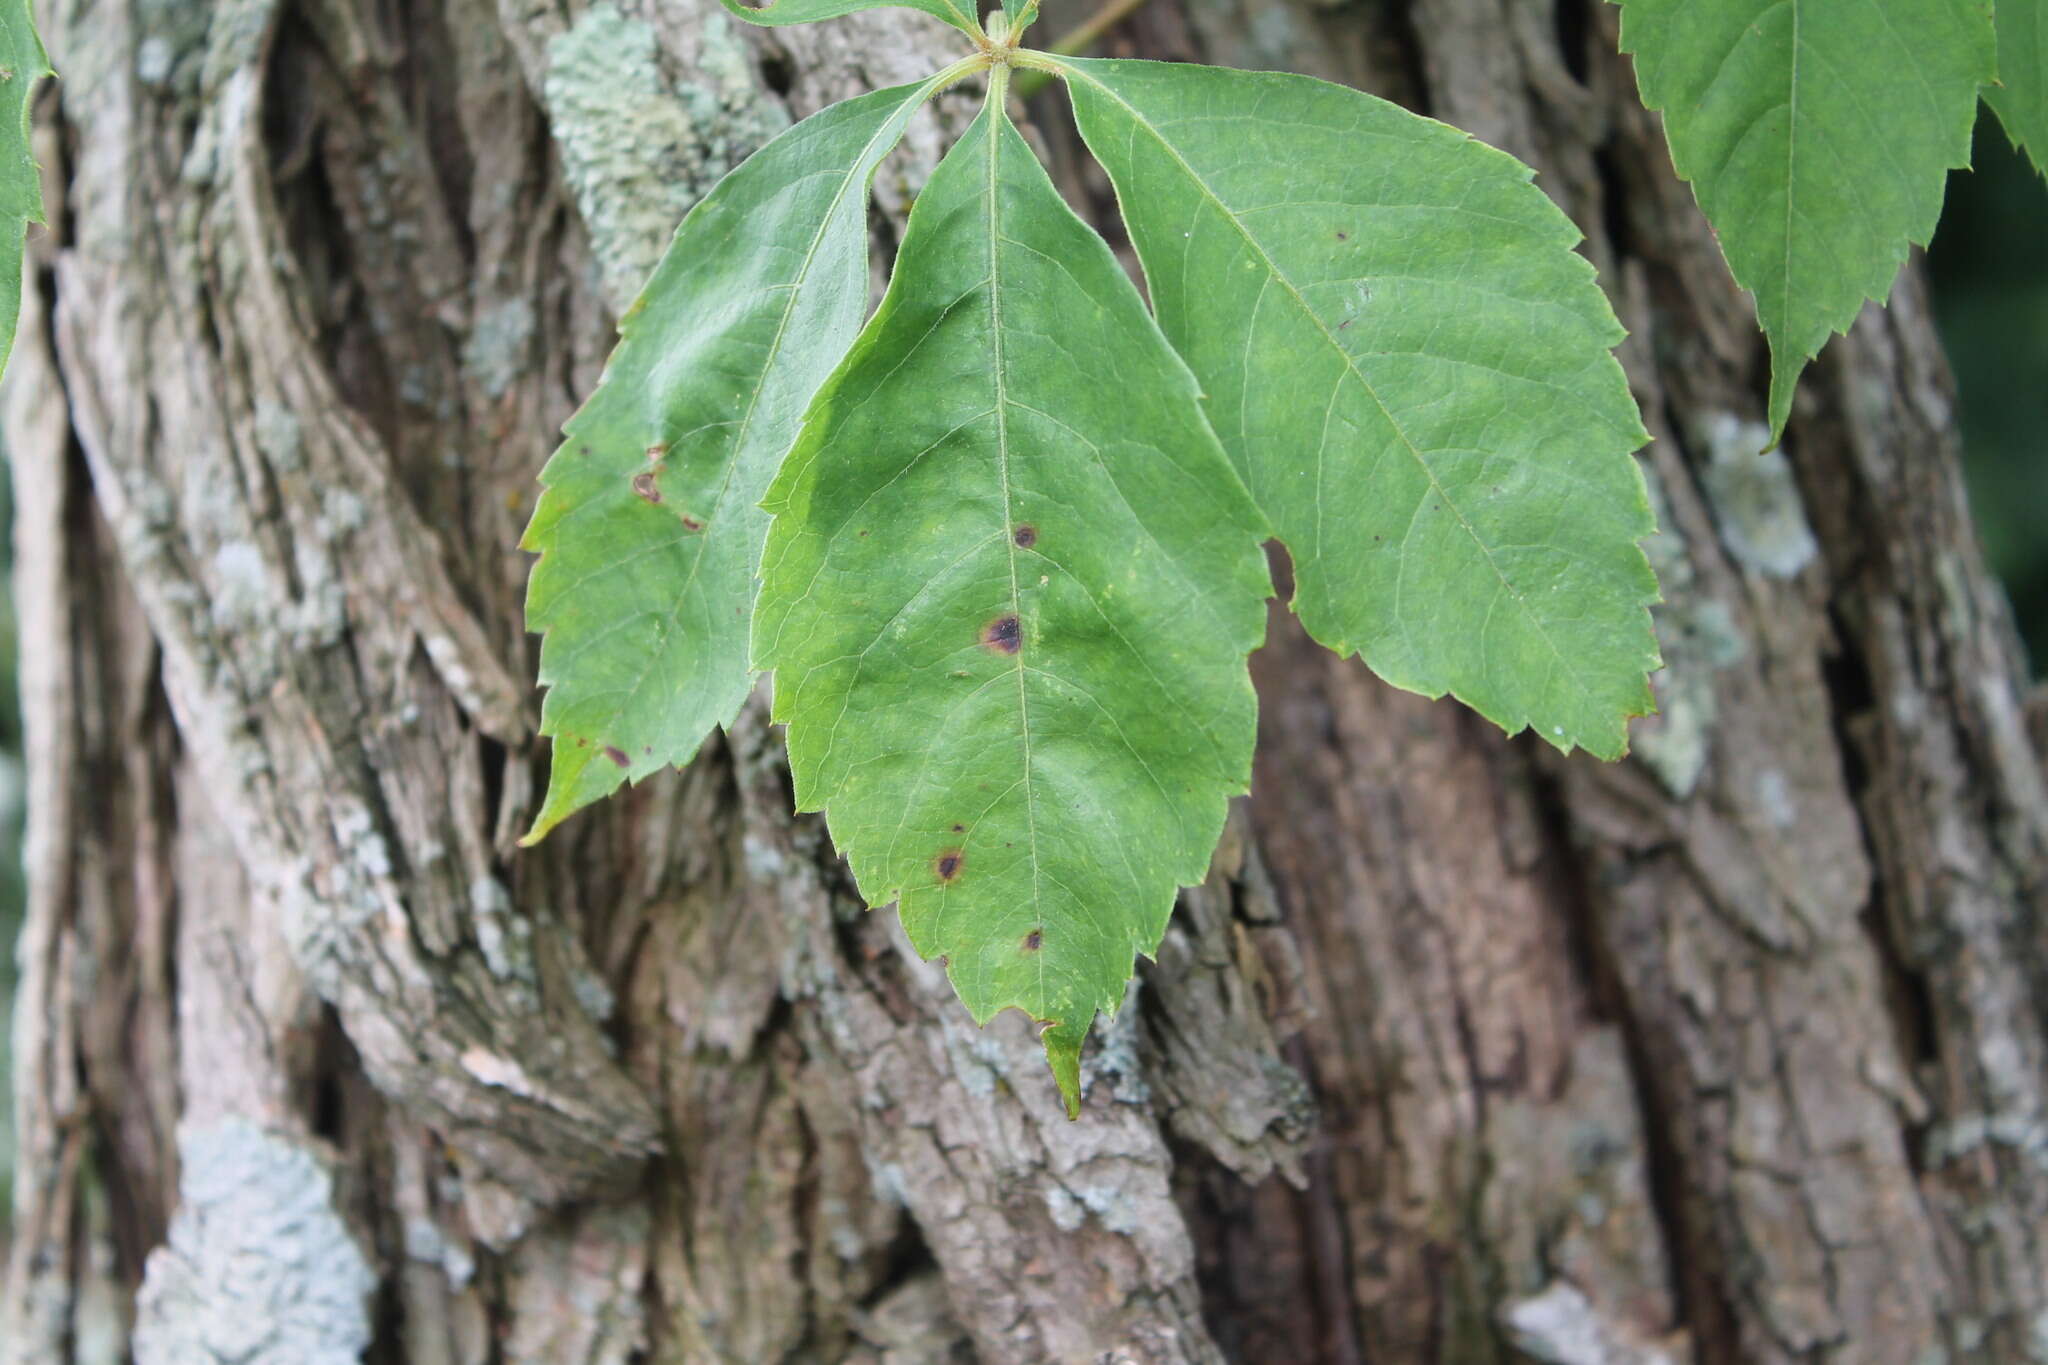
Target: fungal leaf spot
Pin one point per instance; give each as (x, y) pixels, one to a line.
(1004, 635)
(1027, 536)
(1034, 940)
(617, 755)
(645, 488)
(947, 865)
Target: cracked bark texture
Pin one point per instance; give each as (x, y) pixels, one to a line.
(1733, 1052)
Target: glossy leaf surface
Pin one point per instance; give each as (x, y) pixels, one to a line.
(1008, 595)
(1411, 368)
(649, 530)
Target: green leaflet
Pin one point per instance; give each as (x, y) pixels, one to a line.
(1008, 595)
(22, 63)
(960, 15)
(1818, 135)
(1412, 370)
(649, 530)
(2021, 95)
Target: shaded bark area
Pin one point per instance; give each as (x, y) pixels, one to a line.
(1733, 1052)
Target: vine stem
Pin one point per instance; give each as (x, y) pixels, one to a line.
(1089, 31)
(1077, 41)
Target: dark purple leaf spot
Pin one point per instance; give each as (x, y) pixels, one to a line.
(1343, 236)
(644, 486)
(947, 865)
(690, 523)
(1004, 635)
(959, 829)
(1027, 536)
(1034, 940)
(617, 755)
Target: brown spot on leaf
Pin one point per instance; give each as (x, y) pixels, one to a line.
(690, 523)
(947, 865)
(1004, 635)
(656, 451)
(645, 487)
(959, 829)
(1034, 940)
(1027, 536)
(617, 755)
(1343, 236)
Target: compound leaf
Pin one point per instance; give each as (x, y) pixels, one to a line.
(1007, 595)
(22, 64)
(1818, 136)
(958, 13)
(649, 530)
(2021, 95)
(1412, 370)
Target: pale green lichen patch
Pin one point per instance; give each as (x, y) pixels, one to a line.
(638, 149)
(1697, 635)
(1754, 496)
(496, 352)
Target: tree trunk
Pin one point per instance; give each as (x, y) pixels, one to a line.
(1736, 1051)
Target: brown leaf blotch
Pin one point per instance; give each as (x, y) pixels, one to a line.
(947, 865)
(645, 487)
(1027, 536)
(617, 755)
(690, 523)
(1004, 635)
(1034, 940)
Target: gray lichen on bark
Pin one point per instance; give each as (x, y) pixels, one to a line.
(258, 1269)
(638, 149)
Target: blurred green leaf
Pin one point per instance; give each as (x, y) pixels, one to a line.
(1818, 135)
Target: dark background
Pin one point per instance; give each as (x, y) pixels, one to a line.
(1990, 268)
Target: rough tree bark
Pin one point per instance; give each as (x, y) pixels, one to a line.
(1733, 1052)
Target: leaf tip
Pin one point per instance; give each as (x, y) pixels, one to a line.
(1063, 1055)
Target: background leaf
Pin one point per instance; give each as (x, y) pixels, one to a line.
(2021, 95)
(960, 15)
(649, 529)
(1818, 135)
(22, 63)
(1412, 369)
(1008, 596)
